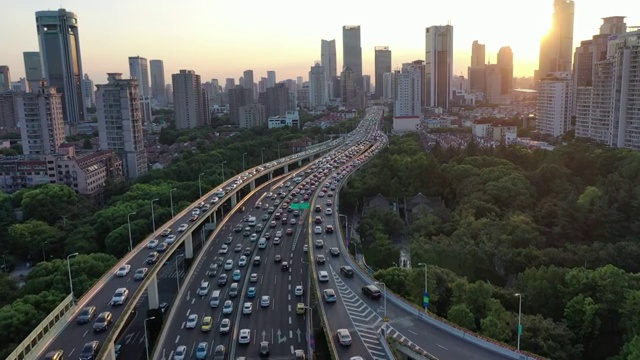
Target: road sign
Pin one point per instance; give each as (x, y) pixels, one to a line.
(300, 206)
(425, 300)
(520, 329)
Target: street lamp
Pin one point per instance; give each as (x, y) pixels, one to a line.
(171, 199)
(243, 162)
(262, 154)
(519, 295)
(177, 274)
(146, 338)
(129, 222)
(385, 319)
(346, 220)
(223, 170)
(426, 288)
(44, 255)
(200, 183)
(70, 279)
(153, 217)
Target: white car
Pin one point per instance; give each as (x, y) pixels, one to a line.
(192, 321)
(253, 278)
(181, 353)
(305, 248)
(224, 249)
(195, 211)
(344, 337)
(299, 290)
(170, 239)
(244, 336)
(323, 276)
(203, 290)
(242, 261)
(120, 296)
(328, 211)
(152, 244)
(279, 233)
(228, 265)
(123, 270)
(265, 301)
(227, 309)
(183, 227)
(247, 308)
(254, 237)
(317, 230)
(214, 200)
(225, 326)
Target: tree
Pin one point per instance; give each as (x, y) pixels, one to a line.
(581, 314)
(27, 239)
(498, 324)
(86, 144)
(49, 203)
(8, 289)
(461, 315)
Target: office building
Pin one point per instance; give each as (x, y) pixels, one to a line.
(556, 47)
(289, 118)
(366, 85)
(88, 94)
(387, 86)
(277, 100)
(157, 81)
(188, 100)
(20, 85)
(318, 93)
(238, 97)
(247, 83)
(477, 72)
(58, 36)
(301, 97)
(505, 66)
(299, 81)
(271, 78)
(351, 93)
(41, 120)
(352, 51)
(5, 79)
(493, 84)
(438, 66)
(33, 69)
(328, 58)
(554, 104)
(120, 123)
(262, 85)
(168, 93)
(409, 92)
(382, 66)
(252, 115)
(8, 116)
(139, 69)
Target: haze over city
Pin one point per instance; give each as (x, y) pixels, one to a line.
(220, 40)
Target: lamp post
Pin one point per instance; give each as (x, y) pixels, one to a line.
(177, 274)
(519, 295)
(222, 163)
(171, 199)
(146, 338)
(70, 279)
(44, 255)
(426, 287)
(153, 217)
(384, 286)
(346, 220)
(262, 154)
(129, 222)
(243, 162)
(200, 183)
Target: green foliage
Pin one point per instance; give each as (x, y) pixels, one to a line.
(28, 239)
(49, 203)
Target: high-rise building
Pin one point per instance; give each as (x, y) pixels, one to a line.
(59, 41)
(352, 51)
(139, 69)
(238, 97)
(366, 85)
(505, 64)
(556, 47)
(5, 79)
(277, 100)
(157, 81)
(40, 116)
(349, 88)
(477, 72)
(33, 69)
(387, 86)
(120, 123)
(439, 65)
(252, 115)
(409, 96)
(318, 94)
(554, 104)
(299, 81)
(493, 84)
(168, 93)
(328, 58)
(478, 54)
(87, 92)
(271, 78)
(382, 66)
(188, 100)
(8, 117)
(20, 85)
(247, 82)
(262, 85)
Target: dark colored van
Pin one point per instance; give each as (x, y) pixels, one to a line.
(372, 292)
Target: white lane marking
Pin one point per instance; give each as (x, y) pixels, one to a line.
(188, 312)
(289, 307)
(85, 333)
(177, 339)
(414, 333)
(182, 326)
(74, 349)
(442, 347)
(193, 301)
(193, 347)
(289, 320)
(290, 334)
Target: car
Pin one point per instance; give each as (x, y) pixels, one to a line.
(89, 350)
(346, 271)
(120, 296)
(181, 353)
(320, 259)
(279, 233)
(323, 276)
(277, 258)
(273, 224)
(202, 350)
(317, 230)
(328, 211)
(329, 295)
(140, 273)
(162, 247)
(224, 249)
(54, 355)
(372, 292)
(328, 229)
(251, 292)
(166, 232)
(289, 232)
(203, 290)
(103, 321)
(293, 221)
(356, 358)
(236, 275)
(264, 349)
(219, 352)
(344, 338)
(86, 315)
(206, 207)
(214, 200)
(265, 217)
(225, 326)
(195, 211)
(228, 265)
(152, 258)
(238, 248)
(267, 235)
(284, 266)
(253, 278)
(123, 270)
(170, 239)
(183, 227)
(319, 243)
(265, 301)
(299, 290)
(277, 241)
(227, 308)
(247, 251)
(244, 336)
(318, 208)
(334, 251)
(300, 308)
(305, 248)
(318, 220)
(328, 203)
(247, 308)
(192, 321)
(238, 228)
(254, 237)
(222, 280)
(321, 194)
(152, 244)
(206, 324)
(242, 261)
(163, 307)
(228, 240)
(193, 218)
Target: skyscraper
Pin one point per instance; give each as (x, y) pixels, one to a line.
(5, 79)
(554, 104)
(439, 65)
(382, 66)
(409, 96)
(238, 97)
(157, 80)
(120, 123)
(271, 78)
(387, 83)
(248, 83)
(352, 51)
(188, 100)
(328, 58)
(41, 121)
(87, 92)
(505, 65)
(477, 72)
(318, 94)
(478, 56)
(33, 69)
(556, 47)
(59, 41)
(139, 69)
(349, 88)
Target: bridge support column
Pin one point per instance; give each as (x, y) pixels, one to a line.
(234, 199)
(213, 218)
(300, 163)
(111, 352)
(252, 186)
(270, 175)
(286, 168)
(152, 293)
(188, 246)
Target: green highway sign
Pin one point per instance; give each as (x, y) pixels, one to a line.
(300, 206)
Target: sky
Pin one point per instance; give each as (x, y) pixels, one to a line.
(221, 39)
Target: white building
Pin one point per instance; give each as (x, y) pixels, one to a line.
(119, 112)
(139, 69)
(88, 94)
(554, 104)
(252, 115)
(318, 93)
(409, 92)
(39, 114)
(403, 124)
(291, 119)
(387, 86)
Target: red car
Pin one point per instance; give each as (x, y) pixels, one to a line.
(193, 218)
(318, 220)
(289, 231)
(329, 229)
